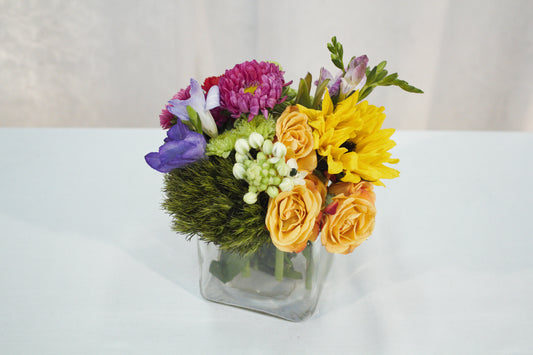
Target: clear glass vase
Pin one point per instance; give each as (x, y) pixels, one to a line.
(285, 285)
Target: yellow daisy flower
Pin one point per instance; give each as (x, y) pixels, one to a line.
(332, 127)
(351, 138)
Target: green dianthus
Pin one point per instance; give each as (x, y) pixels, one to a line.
(206, 200)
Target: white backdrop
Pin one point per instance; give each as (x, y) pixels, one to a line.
(115, 63)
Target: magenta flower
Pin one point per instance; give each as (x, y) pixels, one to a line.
(250, 88)
(165, 118)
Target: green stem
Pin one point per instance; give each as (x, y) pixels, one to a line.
(278, 270)
(308, 253)
(246, 269)
(309, 274)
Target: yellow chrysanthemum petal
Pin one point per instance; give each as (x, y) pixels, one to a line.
(334, 167)
(327, 104)
(360, 125)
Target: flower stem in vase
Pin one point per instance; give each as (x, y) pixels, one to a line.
(246, 269)
(278, 270)
(308, 254)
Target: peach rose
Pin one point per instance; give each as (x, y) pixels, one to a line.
(322, 189)
(351, 224)
(293, 131)
(362, 188)
(291, 217)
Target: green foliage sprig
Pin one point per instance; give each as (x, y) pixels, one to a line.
(205, 199)
(377, 76)
(337, 52)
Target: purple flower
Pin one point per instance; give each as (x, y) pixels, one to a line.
(355, 76)
(333, 84)
(199, 103)
(251, 87)
(181, 147)
(353, 79)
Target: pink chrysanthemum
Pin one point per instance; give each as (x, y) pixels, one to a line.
(183, 94)
(251, 87)
(165, 118)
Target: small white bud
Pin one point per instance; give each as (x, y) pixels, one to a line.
(292, 163)
(254, 172)
(286, 185)
(267, 147)
(239, 171)
(272, 191)
(279, 150)
(256, 140)
(273, 160)
(240, 158)
(261, 157)
(283, 169)
(299, 179)
(241, 146)
(250, 198)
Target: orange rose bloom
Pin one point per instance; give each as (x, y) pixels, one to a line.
(322, 189)
(362, 188)
(353, 221)
(293, 131)
(291, 217)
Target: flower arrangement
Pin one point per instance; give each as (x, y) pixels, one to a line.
(255, 166)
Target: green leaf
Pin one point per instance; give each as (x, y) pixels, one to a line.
(381, 75)
(319, 92)
(371, 76)
(309, 82)
(194, 119)
(290, 93)
(381, 65)
(302, 97)
(336, 53)
(365, 92)
(340, 50)
(337, 62)
(389, 80)
(377, 76)
(228, 266)
(405, 86)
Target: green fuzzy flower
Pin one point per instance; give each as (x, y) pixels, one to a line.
(205, 199)
(223, 145)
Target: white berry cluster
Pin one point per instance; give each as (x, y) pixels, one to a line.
(268, 171)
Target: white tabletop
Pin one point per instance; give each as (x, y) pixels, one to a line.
(89, 265)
